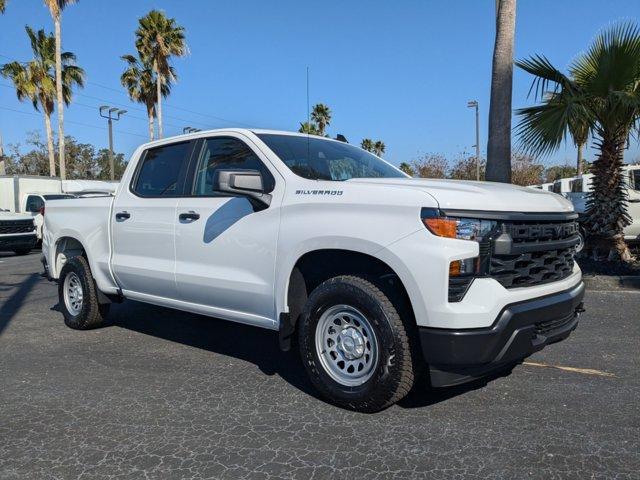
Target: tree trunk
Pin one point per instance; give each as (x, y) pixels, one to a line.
(499, 144)
(606, 215)
(50, 147)
(159, 102)
(150, 117)
(60, 100)
(579, 161)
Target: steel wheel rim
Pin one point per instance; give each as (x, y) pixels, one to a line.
(72, 293)
(346, 345)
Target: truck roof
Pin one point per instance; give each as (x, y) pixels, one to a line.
(204, 133)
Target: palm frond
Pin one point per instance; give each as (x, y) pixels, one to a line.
(546, 76)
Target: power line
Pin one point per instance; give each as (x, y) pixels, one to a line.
(72, 122)
(169, 105)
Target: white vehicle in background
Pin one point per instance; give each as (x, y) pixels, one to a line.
(580, 186)
(34, 204)
(562, 186)
(547, 187)
(17, 233)
(377, 275)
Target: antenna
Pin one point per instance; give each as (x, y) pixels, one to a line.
(308, 114)
(308, 119)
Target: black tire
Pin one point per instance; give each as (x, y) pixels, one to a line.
(22, 251)
(92, 314)
(395, 370)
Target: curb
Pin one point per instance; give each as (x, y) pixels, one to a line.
(612, 282)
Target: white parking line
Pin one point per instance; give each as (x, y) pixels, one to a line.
(586, 371)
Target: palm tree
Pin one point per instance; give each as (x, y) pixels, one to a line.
(367, 144)
(3, 5)
(158, 38)
(580, 134)
(321, 115)
(55, 8)
(36, 80)
(140, 81)
(308, 128)
(499, 144)
(379, 148)
(601, 92)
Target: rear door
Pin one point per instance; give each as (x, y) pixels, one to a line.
(144, 220)
(225, 246)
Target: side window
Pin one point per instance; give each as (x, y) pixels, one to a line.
(34, 203)
(162, 171)
(635, 179)
(576, 186)
(226, 153)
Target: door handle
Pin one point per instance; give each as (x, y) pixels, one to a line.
(190, 215)
(123, 215)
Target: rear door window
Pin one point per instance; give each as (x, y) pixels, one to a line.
(162, 171)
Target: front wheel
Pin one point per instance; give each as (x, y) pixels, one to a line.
(79, 296)
(354, 345)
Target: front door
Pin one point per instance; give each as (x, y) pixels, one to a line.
(225, 246)
(144, 221)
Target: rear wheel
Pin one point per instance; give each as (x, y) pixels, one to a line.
(355, 346)
(78, 296)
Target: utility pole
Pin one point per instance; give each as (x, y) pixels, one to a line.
(3, 170)
(474, 104)
(112, 114)
(190, 130)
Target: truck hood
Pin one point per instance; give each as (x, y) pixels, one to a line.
(14, 216)
(489, 196)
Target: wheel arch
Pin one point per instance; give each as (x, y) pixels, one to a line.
(313, 267)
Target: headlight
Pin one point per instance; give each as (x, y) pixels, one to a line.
(456, 227)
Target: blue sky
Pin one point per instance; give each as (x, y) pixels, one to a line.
(399, 71)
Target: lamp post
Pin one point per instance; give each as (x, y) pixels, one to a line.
(112, 113)
(474, 104)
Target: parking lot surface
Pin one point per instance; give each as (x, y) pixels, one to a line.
(165, 394)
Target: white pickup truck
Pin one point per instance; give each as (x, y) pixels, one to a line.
(373, 275)
(17, 233)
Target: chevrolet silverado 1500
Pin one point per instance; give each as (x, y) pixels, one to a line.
(374, 276)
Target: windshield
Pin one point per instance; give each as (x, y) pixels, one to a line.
(318, 159)
(57, 197)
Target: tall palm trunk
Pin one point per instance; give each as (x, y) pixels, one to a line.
(50, 147)
(150, 114)
(159, 102)
(606, 202)
(499, 144)
(579, 161)
(60, 102)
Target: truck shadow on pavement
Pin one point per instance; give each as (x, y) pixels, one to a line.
(251, 344)
(11, 305)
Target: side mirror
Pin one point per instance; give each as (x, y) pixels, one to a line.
(246, 183)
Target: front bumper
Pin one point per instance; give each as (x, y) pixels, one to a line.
(11, 242)
(459, 355)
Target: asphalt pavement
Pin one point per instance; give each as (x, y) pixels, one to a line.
(164, 394)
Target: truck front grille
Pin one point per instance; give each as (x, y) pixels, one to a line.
(16, 226)
(533, 268)
(540, 252)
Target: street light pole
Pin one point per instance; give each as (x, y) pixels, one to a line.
(474, 104)
(112, 114)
